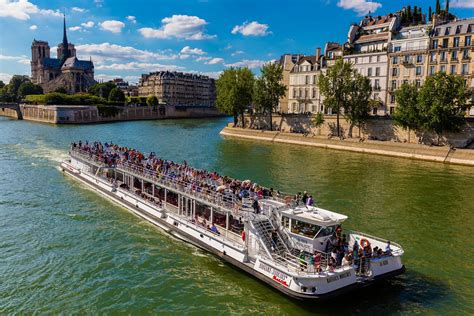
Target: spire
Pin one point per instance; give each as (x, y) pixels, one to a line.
(65, 42)
(447, 6)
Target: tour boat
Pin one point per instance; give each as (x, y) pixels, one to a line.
(290, 246)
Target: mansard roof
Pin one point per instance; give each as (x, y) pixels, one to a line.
(53, 63)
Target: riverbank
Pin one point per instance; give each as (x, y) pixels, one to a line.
(442, 154)
(81, 114)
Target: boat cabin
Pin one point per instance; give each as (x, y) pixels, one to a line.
(310, 226)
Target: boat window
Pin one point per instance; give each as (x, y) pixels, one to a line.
(326, 231)
(285, 222)
(304, 229)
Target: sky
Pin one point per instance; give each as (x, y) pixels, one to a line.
(129, 38)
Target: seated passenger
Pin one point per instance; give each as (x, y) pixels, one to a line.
(214, 229)
(345, 261)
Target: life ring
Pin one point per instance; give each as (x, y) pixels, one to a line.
(364, 243)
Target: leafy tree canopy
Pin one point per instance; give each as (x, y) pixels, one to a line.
(29, 88)
(116, 95)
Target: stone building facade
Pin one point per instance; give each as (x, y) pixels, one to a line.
(177, 88)
(65, 71)
(287, 62)
(367, 48)
(303, 92)
(408, 59)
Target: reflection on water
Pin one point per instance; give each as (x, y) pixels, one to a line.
(63, 248)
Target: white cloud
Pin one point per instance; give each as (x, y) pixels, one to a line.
(464, 4)
(5, 77)
(361, 7)
(139, 66)
(114, 53)
(192, 51)
(237, 53)
(211, 74)
(80, 10)
(74, 28)
(99, 3)
(202, 58)
(23, 59)
(132, 19)
(215, 61)
(251, 29)
(113, 26)
(250, 63)
(23, 9)
(179, 26)
(33, 27)
(88, 24)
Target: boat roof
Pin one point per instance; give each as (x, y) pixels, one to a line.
(314, 215)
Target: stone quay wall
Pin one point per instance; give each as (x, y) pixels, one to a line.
(376, 128)
(67, 114)
(442, 154)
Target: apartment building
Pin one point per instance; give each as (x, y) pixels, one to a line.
(177, 88)
(367, 49)
(408, 59)
(287, 61)
(303, 92)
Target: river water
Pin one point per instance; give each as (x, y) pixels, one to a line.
(64, 249)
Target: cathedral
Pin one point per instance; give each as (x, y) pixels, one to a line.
(65, 71)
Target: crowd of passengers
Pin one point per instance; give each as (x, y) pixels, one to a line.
(342, 255)
(199, 180)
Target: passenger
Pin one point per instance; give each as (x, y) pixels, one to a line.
(303, 264)
(214, 229)
(317, 261)
(304, 198)
(388, 249)
(345, 261)
(310, 201)
(274, 239)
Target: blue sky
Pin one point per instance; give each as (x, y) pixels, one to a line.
(128, 38)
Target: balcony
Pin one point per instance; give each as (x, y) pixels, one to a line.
(376, 88)
(408, 63)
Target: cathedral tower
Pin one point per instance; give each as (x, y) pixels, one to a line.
(39, 51)
(64, 54)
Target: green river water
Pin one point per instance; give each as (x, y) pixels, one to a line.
(64, 249)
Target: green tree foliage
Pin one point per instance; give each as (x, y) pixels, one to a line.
(15, 83)
(152, 101)
(335, 86)
(318, 120)
(407, 112)
(116, 95)
(102, 89)
(430, 14)
(443, 103)
(61, 90)
(55, 98)
(2, 84)
(268, 89)
(358, 103)
(438, 7)
(29, 88)
(234, 90)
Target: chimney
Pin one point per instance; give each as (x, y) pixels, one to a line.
(318, 53)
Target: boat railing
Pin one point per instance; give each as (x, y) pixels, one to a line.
(398, 248)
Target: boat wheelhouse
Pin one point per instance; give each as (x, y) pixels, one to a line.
(300, 250)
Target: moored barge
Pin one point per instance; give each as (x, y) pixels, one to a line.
(283, 240)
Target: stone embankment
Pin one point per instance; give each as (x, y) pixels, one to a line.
(75, 114)
(443, 154)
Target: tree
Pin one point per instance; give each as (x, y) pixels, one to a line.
(152, 101)
(447, 6)
(116, 95)
(102, 89)
(15, 83)
(438, 7)
(430, 13)
(443, 103)
(2, 84)
(334, 87)
(29, 88)
(318, 120)
(268, 88)
(234, 90)
(358, 105)
(61, 90)
(407, 112)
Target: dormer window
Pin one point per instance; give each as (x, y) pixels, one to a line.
(458, 29)
(447, 30)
